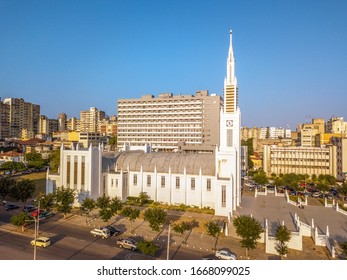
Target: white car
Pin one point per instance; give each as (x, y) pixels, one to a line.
(225, 255)
(102, 232)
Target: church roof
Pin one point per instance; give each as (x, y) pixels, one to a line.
(162, 161)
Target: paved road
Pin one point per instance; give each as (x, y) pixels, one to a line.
(276, 210)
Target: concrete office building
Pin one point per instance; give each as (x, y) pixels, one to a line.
(203, 180)
(168, 120)
(302, 160)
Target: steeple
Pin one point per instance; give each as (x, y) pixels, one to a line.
(230, 82)
(230, 78)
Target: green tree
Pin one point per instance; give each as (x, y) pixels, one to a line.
(113, 142)
(65, 197)
(260, 178)
(249, 229)
(54, 161)
(291, 180)
(21, 220)
(156, 218)
(13, 166)
(143, 198)
(278, 181)
(147, 248)
(35, 160)
(22, 190)
(46, 200)
(343, 247)
(282, 238)
(343, 189)
(88, 204)
(213, 229)
(5, 185)
(131, 213)
(181, 227)
(108, 207)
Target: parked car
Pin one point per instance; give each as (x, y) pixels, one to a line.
(45, 215)
(225, 255)
(29, 208)
(101, 232)
(36, 213)
(114, 231)
(41, 242)
(9, 207)
(127, 243)
(316, 194)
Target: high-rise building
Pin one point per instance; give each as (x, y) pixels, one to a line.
(4, 120)
(336, 125)
(168, 120)
(90, 119)
(23, 115)
(62, 118)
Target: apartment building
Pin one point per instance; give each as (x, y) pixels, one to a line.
(167, 120)
(62, 119)
(336, 125)
(47, 126)
(4, 120)
(23, 115)
(89, 119)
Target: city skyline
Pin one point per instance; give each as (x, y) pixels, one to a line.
(64, 53)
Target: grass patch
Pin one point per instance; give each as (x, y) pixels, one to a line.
(39, 179)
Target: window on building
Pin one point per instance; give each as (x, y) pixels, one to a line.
(148, 180)
(112, 182)
(135, 180)
(163, 181)
(177, 182)
(229, 138)
(68, 171)
(83, 172)
(224, 196)
(116, 183)
(75, 173)
(208, 185)
(192, 184)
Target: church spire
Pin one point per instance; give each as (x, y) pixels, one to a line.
(230, 78)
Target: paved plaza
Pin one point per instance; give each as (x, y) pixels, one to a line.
(276, 210)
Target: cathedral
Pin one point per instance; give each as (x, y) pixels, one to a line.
(194, 179)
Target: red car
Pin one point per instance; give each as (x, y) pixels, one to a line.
(36, 213)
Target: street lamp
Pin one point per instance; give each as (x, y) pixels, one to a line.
(168, 243)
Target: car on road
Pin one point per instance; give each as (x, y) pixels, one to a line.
(127, 243)
(101, 232)
(41, 242)
(29, 208)
(45, 215)
(225, 255)
(114, 231)
(36, 213)
(9, 207)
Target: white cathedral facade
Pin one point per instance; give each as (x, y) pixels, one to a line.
(202, 180)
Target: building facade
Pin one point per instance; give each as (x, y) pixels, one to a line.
(4, 120)
(198, 179)
(23, 115)
(302, 160)
(167, 120)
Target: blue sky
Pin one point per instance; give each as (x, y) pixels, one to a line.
(67, 56)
